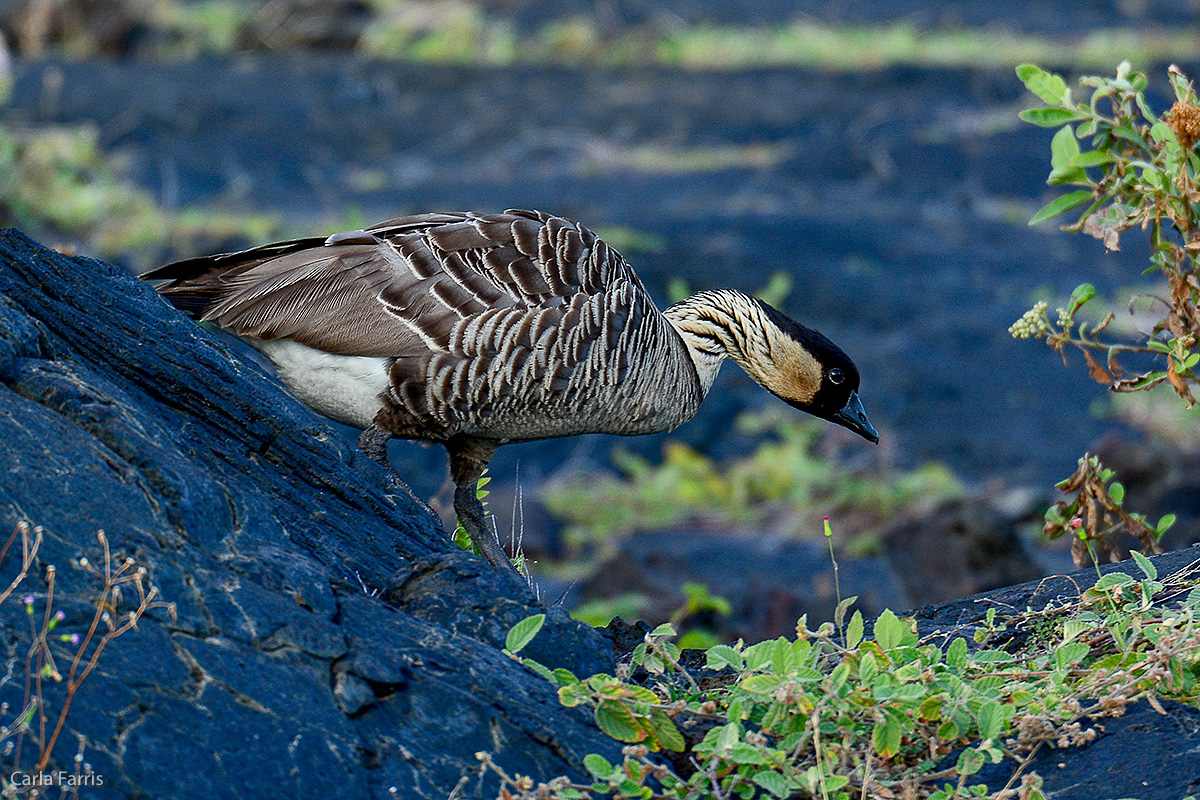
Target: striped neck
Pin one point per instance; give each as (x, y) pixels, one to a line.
(727, 323)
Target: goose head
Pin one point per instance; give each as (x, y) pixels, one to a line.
(802, 367)
(797, 364)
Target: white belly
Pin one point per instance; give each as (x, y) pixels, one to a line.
(344, 388)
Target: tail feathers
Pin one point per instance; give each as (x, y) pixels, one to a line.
(197, 284)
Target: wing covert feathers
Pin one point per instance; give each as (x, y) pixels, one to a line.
(518, 325)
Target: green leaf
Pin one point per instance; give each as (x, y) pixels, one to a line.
(1095, 158)
(956, 653)
(1050, 117)
(761, 684)
(618, 722)
(1064, 147)
(573, 694)
(1114, 579)
(1165, 523)
(1049, 88)
(990, 719)
(889, 630)
(598, 765)
(1074, 627)
(1117, 493)
(523, 632)
(1145, 564)
(868, 668)
(839, 611)
(539, 669)
(970, 761)
(1069, 654)
(1083, 293)
(774, 783)
(854, 631)
(721, 656)
(669, 737)
(1059, 205)
(948, 730)
(909, 692)
(1069, 176)
(665, 629)
(931, 707)
(885, 737)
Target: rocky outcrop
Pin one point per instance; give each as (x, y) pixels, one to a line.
(329, 640)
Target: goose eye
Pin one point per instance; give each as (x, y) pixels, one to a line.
(836, 376)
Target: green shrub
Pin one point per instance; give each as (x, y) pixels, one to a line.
(834, 714)
(785, 481)
(1138, 173)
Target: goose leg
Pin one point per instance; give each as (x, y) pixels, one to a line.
(468, 458)
(373, 442)
(471, 515)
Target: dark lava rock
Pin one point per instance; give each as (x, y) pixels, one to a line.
(1142, 754)
(963, 547)
(330, 641)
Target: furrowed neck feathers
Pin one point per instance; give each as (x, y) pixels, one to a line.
(722, 324)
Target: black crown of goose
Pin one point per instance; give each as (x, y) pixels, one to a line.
(474, 330)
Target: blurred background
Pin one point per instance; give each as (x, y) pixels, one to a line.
(859, 164)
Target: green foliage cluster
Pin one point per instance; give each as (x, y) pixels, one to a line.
(57, 181)
(837, 715)
(783, 478)
(698, 601)
(1139, 171)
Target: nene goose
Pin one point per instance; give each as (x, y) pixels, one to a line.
(478, 330)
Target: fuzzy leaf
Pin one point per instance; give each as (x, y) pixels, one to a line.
(1060, 204)
(1070, 653)
(1049, 88)
(889, 630)
(991, 719)
(956, 653)
(721, 656)
(854, 631)
(618, 722)
(669, 737)
(1050, 117)
(523, 632)
(886, 736)
(774, 783)
(598, 765)
(1145, 564)
(761, 684)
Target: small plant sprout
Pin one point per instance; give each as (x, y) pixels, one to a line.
(36, 721)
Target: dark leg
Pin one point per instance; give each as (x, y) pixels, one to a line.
(470, 514)
(468, 458)
(373, 442)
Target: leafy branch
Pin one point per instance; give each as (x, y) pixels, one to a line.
(1140, 171)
